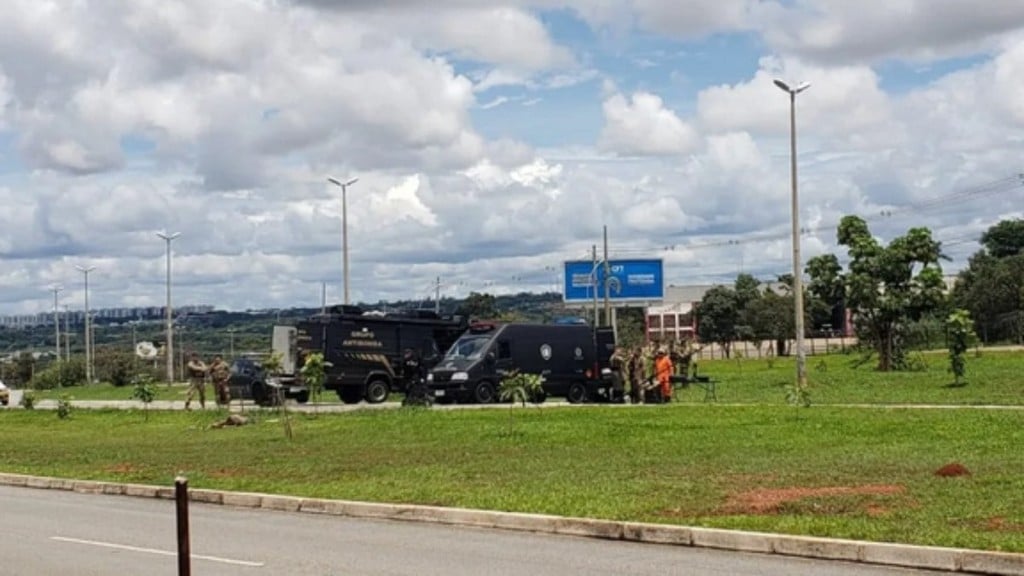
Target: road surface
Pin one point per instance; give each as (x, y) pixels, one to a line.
(58, 532)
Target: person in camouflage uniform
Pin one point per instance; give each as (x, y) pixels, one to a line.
(635, 370)
(196, 370)
(220, 373)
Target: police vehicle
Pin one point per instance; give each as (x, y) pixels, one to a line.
(364, 350)
(570, 357)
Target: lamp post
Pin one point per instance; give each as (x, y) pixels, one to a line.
(170, 326)
(344, 227)
(798, 290)
(56, 317)
(88, 321)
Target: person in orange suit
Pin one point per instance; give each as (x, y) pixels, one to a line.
(663, 373)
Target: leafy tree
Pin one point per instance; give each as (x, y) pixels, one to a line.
(827, 289)
(717, 317)
(114, 366)
(314, 374)
(991, 288)
(519, 387)
(143, 391)
(630, 326)
(960, 336)
(772, 319)
(478, 305)
(888, 286)
(748, 296)
(1004, 239)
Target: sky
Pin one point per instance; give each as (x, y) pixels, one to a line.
(492, 140)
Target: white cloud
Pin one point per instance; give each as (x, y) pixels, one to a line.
(642, 125)
(841, 31)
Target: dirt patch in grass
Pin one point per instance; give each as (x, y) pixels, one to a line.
(122, 468)
(228, 473)
(827, 499)
(1000, 524)
(953, 469)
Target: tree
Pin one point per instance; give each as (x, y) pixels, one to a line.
(827, 289)
(717, 316)
(888, 286)
(772, 319)
(314, 374)
(748, 296)
(960, 335)
(478, 305)
(1004, 239)
(991, 288)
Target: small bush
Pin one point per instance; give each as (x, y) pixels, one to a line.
(28, 400)
(114, 366)
(60, 375)
(64, 407)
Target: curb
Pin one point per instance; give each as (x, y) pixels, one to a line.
(905, 556)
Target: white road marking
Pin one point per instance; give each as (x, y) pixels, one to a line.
(154, 551)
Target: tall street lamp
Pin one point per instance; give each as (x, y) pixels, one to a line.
(56, 317)
(344, 226)
(798, 289)
(88, 321)
(170, 324)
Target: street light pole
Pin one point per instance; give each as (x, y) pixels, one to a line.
(798, 289)
(88, 321)
(344, 227)
(170, 324)
(56, 317)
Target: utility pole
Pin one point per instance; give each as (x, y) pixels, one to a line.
(56, 318)
(323, 298)
(88, 322)
(169, 348)
(607, 278)
(437, 297)
(67, 334)
(593, 272)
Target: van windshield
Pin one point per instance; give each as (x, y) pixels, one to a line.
(468, 347)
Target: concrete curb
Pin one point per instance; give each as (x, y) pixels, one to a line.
(905, 556)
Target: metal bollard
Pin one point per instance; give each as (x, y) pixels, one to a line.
(181, 505)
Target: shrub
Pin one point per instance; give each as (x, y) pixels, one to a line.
(28, 400)
(60, 375)
(64, 407)
(114, 366)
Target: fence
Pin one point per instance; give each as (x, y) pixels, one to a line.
(812, 347)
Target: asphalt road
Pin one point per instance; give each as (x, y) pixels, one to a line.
(57, 532)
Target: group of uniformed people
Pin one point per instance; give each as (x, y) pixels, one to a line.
(218, 371)
(648, 370)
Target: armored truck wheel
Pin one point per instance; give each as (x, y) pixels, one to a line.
(577, 393)
(484, 393)
(350, 395)
(377, 391)
(302, 397)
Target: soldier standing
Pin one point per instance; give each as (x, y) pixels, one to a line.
(617, 364)
(413, 374)
(196, 380)
(220, 373)
(635, 368)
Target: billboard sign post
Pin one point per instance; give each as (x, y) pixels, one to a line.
(628, 281)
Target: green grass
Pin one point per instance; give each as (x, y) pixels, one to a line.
(686, 464)
(111, 392)
(992, 378)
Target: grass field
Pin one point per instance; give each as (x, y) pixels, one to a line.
(863, 473)
(993, 378)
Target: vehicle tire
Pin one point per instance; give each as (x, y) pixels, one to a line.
(484, 393)
(350, 395)
(377, 391)
(261, 394)
(302, 397)
(577, 393)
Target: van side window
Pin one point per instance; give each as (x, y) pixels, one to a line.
(504, 350)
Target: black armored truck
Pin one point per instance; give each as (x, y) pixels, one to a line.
(572, 358)
(365, 349)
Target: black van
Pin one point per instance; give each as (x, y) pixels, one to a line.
(569, 357)
(365, 349)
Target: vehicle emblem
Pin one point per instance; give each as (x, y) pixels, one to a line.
(545, 352)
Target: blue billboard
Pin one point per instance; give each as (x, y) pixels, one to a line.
(628, 281)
